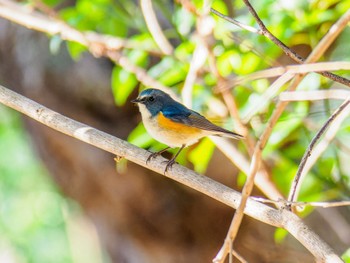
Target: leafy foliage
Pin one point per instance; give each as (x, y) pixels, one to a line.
(299, 24)
(237, 53)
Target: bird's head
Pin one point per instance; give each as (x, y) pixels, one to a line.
(153, 100)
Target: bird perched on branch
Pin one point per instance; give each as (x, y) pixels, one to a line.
(171, 123)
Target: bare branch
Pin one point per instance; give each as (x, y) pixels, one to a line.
(278, 71)
(289, 73)
(284, 203)
(330, 37)
(341, 113)
(317, 53)
(238, 256)
(203, 184)
(335, 94)
(238, 159)
(204, 28)
(320, 49)
(256, 158)
(266, 97)
(236, 22)
(285, 219)
(154, 27)
(34, 20)
(263, 179)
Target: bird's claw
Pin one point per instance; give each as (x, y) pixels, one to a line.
(151, 156)
(169, 165)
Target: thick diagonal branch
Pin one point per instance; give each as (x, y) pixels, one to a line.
(203, 184)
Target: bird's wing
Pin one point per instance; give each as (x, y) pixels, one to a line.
(191, 118)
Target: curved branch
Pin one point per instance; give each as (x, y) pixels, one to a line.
(278, 71)
(306, 162)
(256, 159)
(316, 53)
(34, 20)
(154, 27)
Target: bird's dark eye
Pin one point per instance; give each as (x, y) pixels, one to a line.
(151, 98)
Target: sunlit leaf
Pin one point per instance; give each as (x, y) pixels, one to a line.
(280, 235)
(201, 155)
(140, 137)
(75, 49)
(346, 256)
(124, 82)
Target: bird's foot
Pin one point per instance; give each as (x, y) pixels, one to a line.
(151, 156)
(154, 155)
(169, 165)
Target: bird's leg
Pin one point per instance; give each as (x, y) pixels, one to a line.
(153, 155)
(172, 160)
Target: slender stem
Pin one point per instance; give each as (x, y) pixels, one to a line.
(317, 52)
(297, 179)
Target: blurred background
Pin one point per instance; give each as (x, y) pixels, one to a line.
(62, 200)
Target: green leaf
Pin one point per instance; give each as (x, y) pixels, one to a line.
(52, 2)
(241, 178)
(75, 50)
(280, 235)
(288, 124)
(184, 51)
(140, 137)
(123, 82)
(228, 62)
(169, 71)
(346, 256)
(201, 155)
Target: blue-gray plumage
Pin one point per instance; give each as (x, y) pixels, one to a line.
(171, 123)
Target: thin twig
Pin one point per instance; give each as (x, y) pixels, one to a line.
(321, 47)
(236, 22)
(256, 159)
(341, 23)
(284, 203)
(289, 52)
(100, 45)
(335, 94)
(265, 214)
(203, 184)
(154, 27)
(330, 37)
(40, 5)
(293, 194)
(26, 17)
(262, 101)
(204, 28)
(189, 6)
(277, 71)
(263, 180)
(238, 256)
(140, 73)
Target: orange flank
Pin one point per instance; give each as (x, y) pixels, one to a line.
(175, 126)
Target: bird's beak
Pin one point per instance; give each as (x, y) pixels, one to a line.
(137, 100)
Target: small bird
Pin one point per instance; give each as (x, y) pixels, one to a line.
(171, 123)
